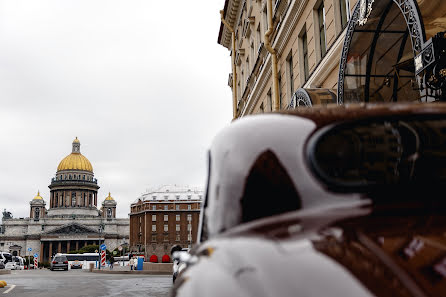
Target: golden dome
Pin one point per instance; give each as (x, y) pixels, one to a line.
(75, 160)
(109, 197)
(38, 197)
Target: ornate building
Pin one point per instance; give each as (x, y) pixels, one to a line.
(72, 220)
(164, 217)
(291, 53)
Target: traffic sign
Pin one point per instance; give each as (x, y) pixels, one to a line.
(30, 249)
(103, 247)
(120, 248)
(36, 255)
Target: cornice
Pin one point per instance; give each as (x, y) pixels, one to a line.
(232, 14)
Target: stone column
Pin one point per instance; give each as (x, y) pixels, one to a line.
(77, 245)
(96, 199)
(85, 243)
(68, 246)
(59, 247)
(50, 250)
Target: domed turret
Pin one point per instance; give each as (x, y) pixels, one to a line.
(109, 207)
(75, 160)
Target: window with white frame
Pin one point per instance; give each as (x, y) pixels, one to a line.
(290, 75)
(166, 207)
(166, 228)
(177, 238)
(177, 207)
(177, 197)
(189, 217)
(177, 217)
(153, 218)
(177, 227)
(153, 238)
(189, 197)
(189, 207)
(153, 228)
(166, 218)
(153, 197)
(153, 207)
(189, 237)
(189, 227)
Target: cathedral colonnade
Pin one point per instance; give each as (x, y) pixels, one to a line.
(49, 248)
(73, 198)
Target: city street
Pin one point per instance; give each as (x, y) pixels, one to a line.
(83, 283)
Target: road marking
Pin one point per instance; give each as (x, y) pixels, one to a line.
(9, 290)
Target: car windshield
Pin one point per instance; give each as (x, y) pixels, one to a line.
(8, 257)
(60, 259)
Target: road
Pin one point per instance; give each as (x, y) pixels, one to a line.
(83, 283)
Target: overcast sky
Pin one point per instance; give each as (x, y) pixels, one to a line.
(142, 84)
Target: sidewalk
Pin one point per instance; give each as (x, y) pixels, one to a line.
(127, 271)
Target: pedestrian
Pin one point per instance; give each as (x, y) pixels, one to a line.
(131, 263)
(112, 260)
(135, 263)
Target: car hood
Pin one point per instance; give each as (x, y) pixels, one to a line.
(396, 250)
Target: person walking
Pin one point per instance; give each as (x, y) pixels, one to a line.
(112, 260)
(131, 263)
(135, 263)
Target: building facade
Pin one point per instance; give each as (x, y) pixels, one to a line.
(165, 217)
(291, 53)
(72, 220)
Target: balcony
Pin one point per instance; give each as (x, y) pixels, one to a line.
(69, 182)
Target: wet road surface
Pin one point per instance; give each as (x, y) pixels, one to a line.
(83, 283)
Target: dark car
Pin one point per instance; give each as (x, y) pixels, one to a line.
(344, 201)
(59, 262)
(2, 266)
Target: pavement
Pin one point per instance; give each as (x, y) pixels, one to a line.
(43, 282)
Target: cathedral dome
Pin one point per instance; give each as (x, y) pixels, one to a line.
(38, 197)
(75, 160)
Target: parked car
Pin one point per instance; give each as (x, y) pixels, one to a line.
(76, 265)
(344, 201)
(6, 258)
(19, 263)
(59, 262)
(2, 266)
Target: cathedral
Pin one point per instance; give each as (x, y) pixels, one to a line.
(71, 221)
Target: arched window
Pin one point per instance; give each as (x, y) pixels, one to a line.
(109, 213)
(69, 177)
(37, 213)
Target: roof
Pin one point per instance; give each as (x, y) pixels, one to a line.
(173, 193)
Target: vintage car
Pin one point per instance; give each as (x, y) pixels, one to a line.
(333, 201)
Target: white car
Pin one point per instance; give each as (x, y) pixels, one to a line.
(19, 263)
(6, 258)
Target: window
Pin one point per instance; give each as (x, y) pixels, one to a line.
(189, 207)
(345, 12)
(153, 218)
(305, 55)
(189, 197)
(166, 218)
(69, 177)
(109, 213)
(166, 207)
(153, 197)
(259, 37)
(189, 227)
(73, 199)
(189, 217)
(177, 217)
(189, 237)
(177, 227)
(322, 36)
(37, 213)
(43, 227)
(153, 228)
(83, 177)
(153, 207)
(166, 228)
(177, 197)
(166, 197)
(177, 207)
(262, 109)
(166, 237)
(153, 238)
(177, 238)
(290, 75)
(265, 20)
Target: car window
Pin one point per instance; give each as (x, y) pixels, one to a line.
(60, 259)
